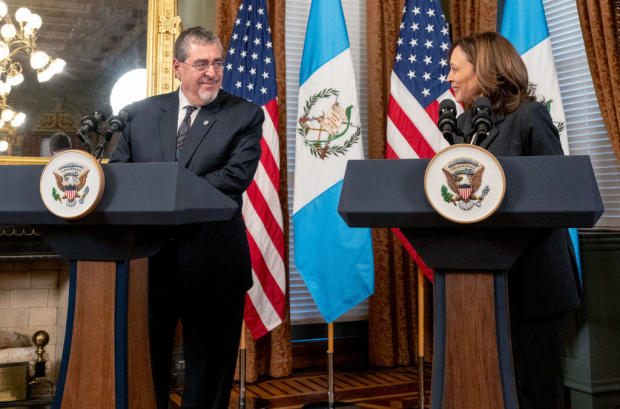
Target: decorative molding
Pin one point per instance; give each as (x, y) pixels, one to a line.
(18, 231)
(23, 160)
(169, 25)
(163, 28)
(56, 120)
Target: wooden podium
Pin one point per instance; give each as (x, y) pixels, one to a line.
(472, 361)
(106, 358)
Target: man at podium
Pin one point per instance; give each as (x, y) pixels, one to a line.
(543, 282)
(203, 272)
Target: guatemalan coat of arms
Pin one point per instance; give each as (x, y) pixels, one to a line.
(330, 131)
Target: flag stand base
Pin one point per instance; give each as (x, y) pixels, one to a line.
(330, 404)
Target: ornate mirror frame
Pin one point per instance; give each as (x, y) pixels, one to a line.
(163, 27)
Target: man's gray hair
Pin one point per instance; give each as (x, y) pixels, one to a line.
(194, 34)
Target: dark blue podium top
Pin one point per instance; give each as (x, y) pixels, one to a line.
(141, 205)
(541, 191)
(135, 194)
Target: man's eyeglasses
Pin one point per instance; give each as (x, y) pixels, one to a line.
(204, 65)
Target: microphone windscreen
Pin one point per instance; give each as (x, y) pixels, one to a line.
(106, 110)
(447, 105)
(125, 114)
(482, 102)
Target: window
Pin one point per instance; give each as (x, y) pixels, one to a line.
(586, 131)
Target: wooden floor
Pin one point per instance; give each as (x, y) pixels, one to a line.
(391, 388)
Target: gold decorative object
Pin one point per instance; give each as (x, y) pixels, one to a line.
(169, 25)
(41, 339)
(21, 38)
(56, 120)
(13, 381)
(8, 115)
(164, 26)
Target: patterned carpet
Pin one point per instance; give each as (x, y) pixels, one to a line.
(392, 388)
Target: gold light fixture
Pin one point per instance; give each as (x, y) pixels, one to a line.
(8, 116)
(15, 39)
(23, 38)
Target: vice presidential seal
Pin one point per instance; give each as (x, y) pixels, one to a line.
(464, 183)
(71, 184)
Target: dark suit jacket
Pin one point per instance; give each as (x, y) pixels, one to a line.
(223, 146)
(544, 279)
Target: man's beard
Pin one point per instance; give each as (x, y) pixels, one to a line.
(207, 96)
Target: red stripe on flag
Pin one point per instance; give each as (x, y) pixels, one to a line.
(252, 319)
(272, 110)
(432, 110)
(266, 216)
(268, 283)
(427, 271)
(269, 163)
(389, 152)
(408, 129)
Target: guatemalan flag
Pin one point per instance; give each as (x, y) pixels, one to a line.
(525, 26)
(334, 260)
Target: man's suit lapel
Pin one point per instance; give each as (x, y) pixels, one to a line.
(168, 127)
(201, 125)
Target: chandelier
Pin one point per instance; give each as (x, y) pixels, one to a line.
(8, 115)
(21, 38)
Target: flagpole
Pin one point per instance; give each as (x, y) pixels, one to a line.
(330, 364)
(242, 350)
(421, 337)
(331, 403)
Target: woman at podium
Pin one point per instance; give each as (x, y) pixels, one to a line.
(491, 81)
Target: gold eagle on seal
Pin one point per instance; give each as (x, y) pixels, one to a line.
(464, 177)
(71, 185)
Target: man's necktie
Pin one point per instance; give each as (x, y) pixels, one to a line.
(184, 128)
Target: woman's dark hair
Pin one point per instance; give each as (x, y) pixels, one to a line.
(501, 73)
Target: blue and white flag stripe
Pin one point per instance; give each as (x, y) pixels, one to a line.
(334, 260)
(524, 24)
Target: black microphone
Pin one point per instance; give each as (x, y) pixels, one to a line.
(116, 123)
(481, 122)
(447, 120)
(90, 123)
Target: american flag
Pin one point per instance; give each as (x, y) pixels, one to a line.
(249, 72)
(418, 84)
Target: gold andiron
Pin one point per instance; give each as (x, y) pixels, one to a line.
(40, 339)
